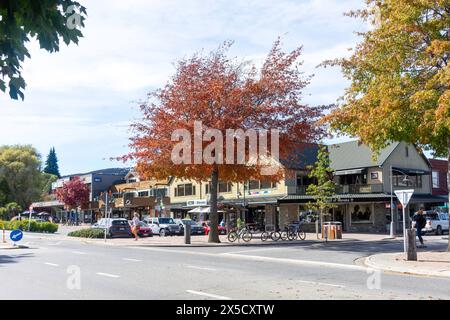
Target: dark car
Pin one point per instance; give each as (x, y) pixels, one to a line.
(114, 227)
(195, 227)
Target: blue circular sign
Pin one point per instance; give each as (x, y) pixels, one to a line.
(16, 235)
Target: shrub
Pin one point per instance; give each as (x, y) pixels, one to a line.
(47, 227)
(88, 233)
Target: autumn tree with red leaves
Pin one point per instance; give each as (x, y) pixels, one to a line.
(74, 193)
(223, 94)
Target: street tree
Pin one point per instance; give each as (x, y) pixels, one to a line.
(223, 93)
(323, 188)
(399, 76)
(20, 174)
(46, 20)
(10, 210)
(74, 193)
(51, 164)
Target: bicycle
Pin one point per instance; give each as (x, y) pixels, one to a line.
(300, 234)
(289, 233)
(243, 234)
(273, 234)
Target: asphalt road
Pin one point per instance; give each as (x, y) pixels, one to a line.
(70, 269)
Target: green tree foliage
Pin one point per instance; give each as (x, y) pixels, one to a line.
(51, 164)
(10, 210)
(46, 20)
(20, 173)
(323, 189)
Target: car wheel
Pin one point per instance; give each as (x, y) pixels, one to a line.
(439, 230)
(162, 232)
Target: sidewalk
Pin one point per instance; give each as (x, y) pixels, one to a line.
(202, 241)
(434, 264)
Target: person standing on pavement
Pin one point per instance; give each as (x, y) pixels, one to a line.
(135, 226)
(420, 221)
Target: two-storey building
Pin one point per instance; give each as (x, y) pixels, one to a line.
(365, 186)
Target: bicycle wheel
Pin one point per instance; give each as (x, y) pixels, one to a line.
(301, 234)
(264, 236)
(232, 236)
(292, 235)
(275, 236)
(284, 235)
(247, 236)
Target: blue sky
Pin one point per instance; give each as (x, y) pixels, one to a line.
(82, 99)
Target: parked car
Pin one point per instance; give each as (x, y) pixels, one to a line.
(115, 227)
(144, 229)
(207, 228)
(166, 226)
(195, 227)
(437, 222)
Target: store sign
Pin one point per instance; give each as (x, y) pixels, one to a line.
(196, 203)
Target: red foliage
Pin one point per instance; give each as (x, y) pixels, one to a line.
(74, 193)
(225, 94)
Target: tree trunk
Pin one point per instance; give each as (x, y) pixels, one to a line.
(448, 185)
(213, 236)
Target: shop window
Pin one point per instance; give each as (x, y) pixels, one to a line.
(257, 184)
(435, 176)
(143, 193)
(361, 213)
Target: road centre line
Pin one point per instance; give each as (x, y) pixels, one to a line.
(107, 275)
(210, 295)
(321, 283)
(78, 252)
(131, 259)
(262, 259)
(51, 264)
(200, 268)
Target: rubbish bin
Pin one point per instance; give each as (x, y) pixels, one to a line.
(332, 230)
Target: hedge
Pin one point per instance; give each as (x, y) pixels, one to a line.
(88, 233)
(46, 227)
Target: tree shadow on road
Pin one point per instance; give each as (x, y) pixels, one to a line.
(13, 258)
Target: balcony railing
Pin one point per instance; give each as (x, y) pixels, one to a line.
(343, 189)
(359, 188)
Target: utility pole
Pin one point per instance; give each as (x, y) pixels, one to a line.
(391, 231)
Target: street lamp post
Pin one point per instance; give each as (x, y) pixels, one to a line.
(391, 231)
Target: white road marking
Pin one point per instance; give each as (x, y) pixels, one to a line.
(208, 295)
(321, 283)
(200, 268)
(262, 259)
(51, 264)
(130, 259)
(78, 252)
(108, 275)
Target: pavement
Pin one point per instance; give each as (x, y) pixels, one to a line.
(433, 264)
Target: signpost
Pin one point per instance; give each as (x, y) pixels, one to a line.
(404, 196)
(29, 218)
(16, 236)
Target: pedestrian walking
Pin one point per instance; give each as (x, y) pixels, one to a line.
(420, 222)
(135, 226)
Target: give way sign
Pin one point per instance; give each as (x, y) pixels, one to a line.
(404, 196)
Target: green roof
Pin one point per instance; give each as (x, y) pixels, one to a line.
(352, 155)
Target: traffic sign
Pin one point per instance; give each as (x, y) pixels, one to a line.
(404, 196)
(16, 235)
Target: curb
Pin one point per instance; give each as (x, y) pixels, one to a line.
(368, 261)
(14, 247)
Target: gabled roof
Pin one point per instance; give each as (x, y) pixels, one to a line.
(301, 158)
(352, 155)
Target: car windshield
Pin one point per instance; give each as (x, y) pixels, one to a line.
(191, 222)
(143, 224)
(166, 221)
(119, 222)
(432, 216)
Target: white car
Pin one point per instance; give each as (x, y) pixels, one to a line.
(164, 226)
(437, 222)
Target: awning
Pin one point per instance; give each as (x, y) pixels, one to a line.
(347, 172)
(202, 210)
(411, 172)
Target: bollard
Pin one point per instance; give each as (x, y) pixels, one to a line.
(411, 252)
(187, 234)
(4, 236)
